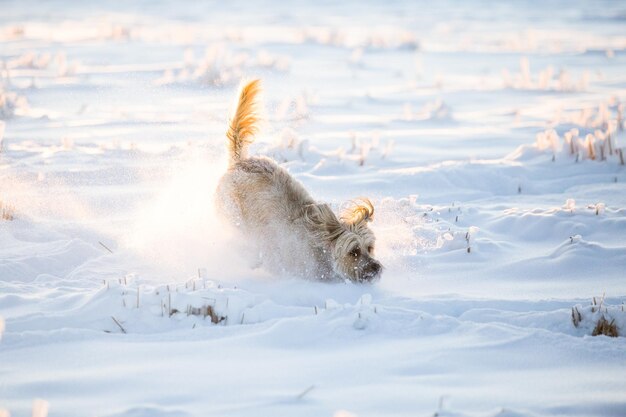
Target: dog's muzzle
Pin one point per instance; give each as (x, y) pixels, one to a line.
(372, 271)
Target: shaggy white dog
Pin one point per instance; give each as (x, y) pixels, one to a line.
(288, 230)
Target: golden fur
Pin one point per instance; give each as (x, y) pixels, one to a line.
(243, 125)
(361, 209)
(288, 231)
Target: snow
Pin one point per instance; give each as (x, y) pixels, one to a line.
(488, 136)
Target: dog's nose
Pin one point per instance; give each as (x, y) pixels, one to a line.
(372, 270)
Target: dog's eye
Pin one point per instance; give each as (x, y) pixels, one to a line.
(354, 252)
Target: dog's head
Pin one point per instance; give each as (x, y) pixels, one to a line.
(348, 238)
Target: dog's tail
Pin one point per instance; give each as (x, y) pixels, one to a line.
(243, 124)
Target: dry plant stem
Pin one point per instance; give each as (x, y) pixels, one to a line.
(214, 317)
(105, 247)
(305, 392)
(576, 316)
(119, 325)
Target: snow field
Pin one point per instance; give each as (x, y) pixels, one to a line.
(489, 137)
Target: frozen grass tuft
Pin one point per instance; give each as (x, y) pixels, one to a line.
(605, 328)
(294, 109)
(11, 103)
(372, 39)
(599, 318)
(434, 110)
(594, 137)
(205, 311)
(546, 79)
(221, 66)
(7, 211)
(44, 63)
(177, 301)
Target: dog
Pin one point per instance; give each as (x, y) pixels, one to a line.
(289, 231)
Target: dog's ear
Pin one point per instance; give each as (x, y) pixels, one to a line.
(322, 222)
(359, 210)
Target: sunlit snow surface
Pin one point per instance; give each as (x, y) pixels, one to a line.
(457, 119)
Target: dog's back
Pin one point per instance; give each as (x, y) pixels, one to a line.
(258, 183)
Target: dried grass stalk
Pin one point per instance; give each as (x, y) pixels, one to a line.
(205, 311)
(7, 211)
(605, 328)
(576, 316)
